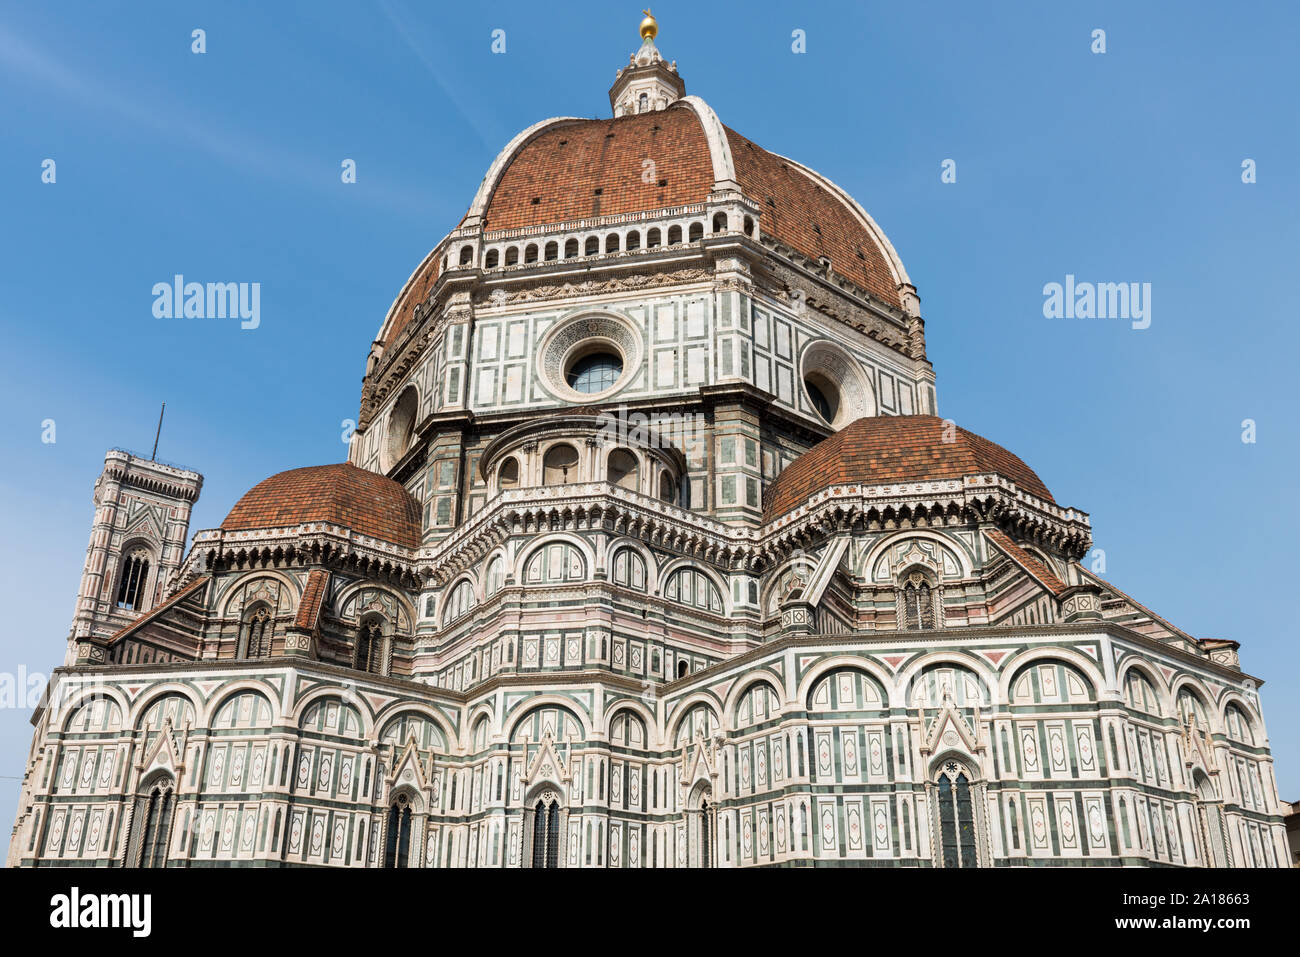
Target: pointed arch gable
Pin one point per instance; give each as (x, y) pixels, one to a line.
(965, 559)
(349, 591)
(237, 585)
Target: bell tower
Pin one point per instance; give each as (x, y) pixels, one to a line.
(648, 82)
(137, 542)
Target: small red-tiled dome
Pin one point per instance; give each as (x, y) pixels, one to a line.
(882, 450)
(364, 501)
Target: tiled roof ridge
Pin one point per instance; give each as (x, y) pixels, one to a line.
(154, 612)
(1027, 562)
(313, 598)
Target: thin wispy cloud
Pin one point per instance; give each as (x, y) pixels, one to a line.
(172, 121)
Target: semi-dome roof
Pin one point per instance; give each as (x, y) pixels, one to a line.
(882, 450)
(566, 169)
(366, 502)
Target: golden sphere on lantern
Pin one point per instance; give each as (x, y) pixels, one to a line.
(649, 26)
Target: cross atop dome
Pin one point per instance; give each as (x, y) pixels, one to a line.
(648, 82)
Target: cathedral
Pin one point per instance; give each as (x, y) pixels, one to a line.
(651, 549)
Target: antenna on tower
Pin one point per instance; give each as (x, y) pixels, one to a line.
(154, 455)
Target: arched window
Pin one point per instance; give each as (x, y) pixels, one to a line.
(546, 831)
(459, 602)
(466, 254)
(667, 488)
(621, 469)
(917, 603)
(258, 631)
(720, 223)
(398, 851)
(494, 578)
(683, 669)
(697, 232)
(134, 577)
(570, 248)
(1140, 693)
(643, 103)
(594, 372)
(611, 243)
(512, 255)
(401, 426)
(629, 569)
(153, 822)
(552, 251)
(370, 648)
(556, 562)
(1191, 708)
(633, 240)
(1238, 725)
(508, 474)
(691, 587)
(627, 730)
(560, 465)
(749, 226)
(593, 246)
(530, 253)
(493, 258)
(956, 817)
(653, 238)
(674, 235)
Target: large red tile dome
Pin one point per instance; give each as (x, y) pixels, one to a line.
(367, 503)
(890, 449)
(568, 170)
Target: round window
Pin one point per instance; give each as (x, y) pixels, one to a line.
(594, 372)
(825, 398)
(836, 390)
(589, 356)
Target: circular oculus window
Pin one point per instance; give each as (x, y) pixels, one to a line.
(836, 388)
(589, 356)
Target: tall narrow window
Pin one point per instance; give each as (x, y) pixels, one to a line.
(131, 583)
(153, 815)
(706, 834)
(370, 648)
(956, 817)
(257, 644)
(399, 833)
(918, 604)
(546, 832)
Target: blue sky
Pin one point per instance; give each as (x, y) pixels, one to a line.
(1120, 167)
